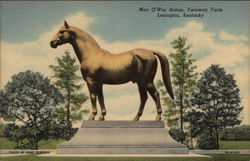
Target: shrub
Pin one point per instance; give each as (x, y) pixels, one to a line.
(206, 141)
(236, 133)
(14, 134)
(177, 134)
(64, 131)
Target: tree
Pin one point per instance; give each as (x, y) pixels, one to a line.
(184, 81)
(217, 101)
(29, 98)
(195, 127)
(66, 81)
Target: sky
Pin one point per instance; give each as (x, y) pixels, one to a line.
(219, 37)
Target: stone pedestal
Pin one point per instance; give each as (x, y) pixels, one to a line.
(122, 137)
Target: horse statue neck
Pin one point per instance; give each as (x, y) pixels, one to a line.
(83, 44)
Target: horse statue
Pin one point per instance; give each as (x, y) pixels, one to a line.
(99, 67)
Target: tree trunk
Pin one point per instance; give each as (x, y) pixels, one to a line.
(68, 105)
(33, 144)
(181, 115)
(181, 100)
(191, 138)
(217, 138)
(68, 114)
(36, 145)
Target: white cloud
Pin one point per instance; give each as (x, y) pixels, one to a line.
(226, 55)
(37, 55)
(194, 31)
(230, 37)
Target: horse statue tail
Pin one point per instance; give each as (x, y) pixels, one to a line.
(165, 72)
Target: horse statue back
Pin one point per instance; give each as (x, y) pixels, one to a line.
(99, 67)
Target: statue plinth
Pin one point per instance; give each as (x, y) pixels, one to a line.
(122, 137)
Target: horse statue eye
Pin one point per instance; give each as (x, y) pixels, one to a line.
(61, 32)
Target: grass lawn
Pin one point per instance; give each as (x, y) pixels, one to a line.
(45, 144)
(49, 144)
(235, 145)
(212, 158)
(5, 144)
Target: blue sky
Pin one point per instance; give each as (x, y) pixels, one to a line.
(24, 21)
(218, 38)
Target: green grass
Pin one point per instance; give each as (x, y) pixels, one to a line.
(49, 144)
(235, 145)
(212, 158)
(45, 144)
(5, 144)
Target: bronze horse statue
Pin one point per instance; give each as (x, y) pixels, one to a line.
(99, 67)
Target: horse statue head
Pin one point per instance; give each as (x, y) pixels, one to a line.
(63, 36)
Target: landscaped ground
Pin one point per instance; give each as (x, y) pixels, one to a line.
(48, 144)
(212, 158)
(51, 144)
(235, 145)
(4, 144)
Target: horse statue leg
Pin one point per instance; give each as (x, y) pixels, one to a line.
(101, 102)
(155, 95)
(143, 97)
(92, 94)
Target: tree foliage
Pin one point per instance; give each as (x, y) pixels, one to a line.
(216, 101)
(30, 99)
(184, 80)
(67, 81)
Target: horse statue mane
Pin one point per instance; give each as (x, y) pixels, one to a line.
(99, 67)
(84, 36)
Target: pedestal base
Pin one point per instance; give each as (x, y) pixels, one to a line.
(122, 137)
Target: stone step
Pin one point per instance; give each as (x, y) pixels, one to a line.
(122, 124)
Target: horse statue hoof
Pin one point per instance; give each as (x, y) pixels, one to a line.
(136, 118)
(91, 117)
(158, 118)
(101, 118)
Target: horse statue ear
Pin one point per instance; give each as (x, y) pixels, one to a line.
(66, 24)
